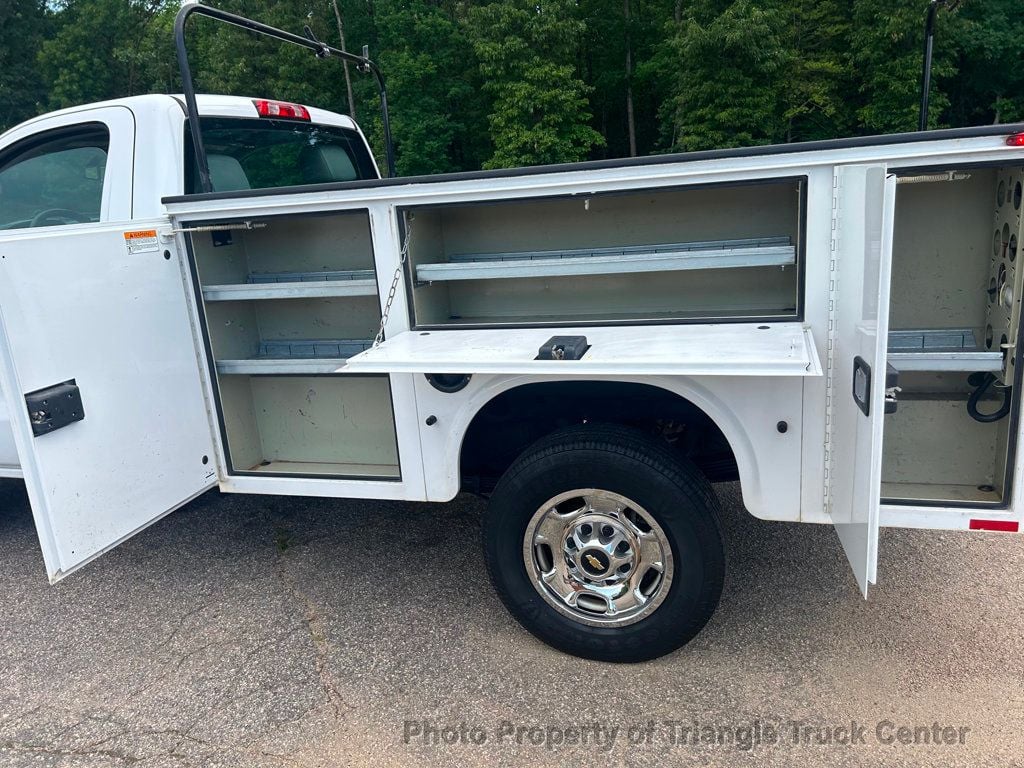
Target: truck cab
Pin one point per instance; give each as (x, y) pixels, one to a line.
(115, 161)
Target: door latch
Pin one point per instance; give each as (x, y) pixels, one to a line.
(892, 388)
(54, 407)
(862, 386)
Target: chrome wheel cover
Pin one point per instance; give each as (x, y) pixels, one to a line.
(598, 557)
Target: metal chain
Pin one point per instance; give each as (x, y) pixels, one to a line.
(403, 257)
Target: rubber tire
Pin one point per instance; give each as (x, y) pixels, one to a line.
(644, 469)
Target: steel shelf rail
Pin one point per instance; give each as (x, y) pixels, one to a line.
(950, 350)
(668, 257)
(296, 356)
(296, 285)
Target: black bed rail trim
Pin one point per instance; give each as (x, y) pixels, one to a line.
(320, 49)
(765, 150)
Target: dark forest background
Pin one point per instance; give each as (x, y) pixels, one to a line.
(519, 82)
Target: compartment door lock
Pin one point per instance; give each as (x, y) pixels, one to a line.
(54, 407)
(563, 348)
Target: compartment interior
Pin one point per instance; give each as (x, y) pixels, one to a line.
(697, 253)
(309, 425)
(281, 335)
(286, 300)
(302, 248)
(954, 311)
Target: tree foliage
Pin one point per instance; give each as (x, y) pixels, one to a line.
(23, 91)
(434, 76)
(988, 41)
(539, 111)
(730, 64)
(98, 49)
(492, 83)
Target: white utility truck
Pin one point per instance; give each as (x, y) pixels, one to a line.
(238, 300)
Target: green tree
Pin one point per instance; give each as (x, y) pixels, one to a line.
(886, 41)
(96, 49)
(729, 65)
(22, 88)
(620, 39)
(517, 82)
(988, 38)
(819, 87)
(226, 59)
(527, 51)
(434, 87)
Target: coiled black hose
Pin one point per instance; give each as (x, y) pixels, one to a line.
(981, 382)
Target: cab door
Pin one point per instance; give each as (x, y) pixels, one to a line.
(97, 360)
(864, 203)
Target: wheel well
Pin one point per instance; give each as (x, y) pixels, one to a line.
(515, 419)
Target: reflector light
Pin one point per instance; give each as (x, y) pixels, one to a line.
(1015, 140)
(1009, 526)
(281, 110)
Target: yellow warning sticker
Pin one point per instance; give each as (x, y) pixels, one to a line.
(141, 241)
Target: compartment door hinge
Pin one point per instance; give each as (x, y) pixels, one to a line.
(831, 346)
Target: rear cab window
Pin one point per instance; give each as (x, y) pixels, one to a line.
(258, 153)
(54, 179)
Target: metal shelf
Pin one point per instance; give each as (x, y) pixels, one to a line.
(941, 350)
(296, 285)
(668, 257)
(296, 357)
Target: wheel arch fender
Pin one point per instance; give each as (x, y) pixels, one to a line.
(723, 400)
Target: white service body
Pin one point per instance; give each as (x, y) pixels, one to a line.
(133, 330)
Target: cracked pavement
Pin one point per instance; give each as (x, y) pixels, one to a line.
(275, 631)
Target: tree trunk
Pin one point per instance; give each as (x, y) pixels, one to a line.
(348, 77)
(630, 117)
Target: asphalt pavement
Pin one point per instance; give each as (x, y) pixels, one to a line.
(273, 631)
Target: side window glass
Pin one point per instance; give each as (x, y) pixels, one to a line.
(54, 179)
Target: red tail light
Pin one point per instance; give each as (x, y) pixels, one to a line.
(1015, 140)
(281, 110)
(1009, 526)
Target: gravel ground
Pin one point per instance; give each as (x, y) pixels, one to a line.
(263, 631)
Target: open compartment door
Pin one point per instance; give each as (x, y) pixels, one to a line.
(775, 349)
(99, 367)
(862, 254)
